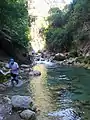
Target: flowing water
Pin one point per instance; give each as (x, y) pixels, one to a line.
(61, 93)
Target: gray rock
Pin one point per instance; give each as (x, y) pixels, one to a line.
(5, 108)
(22, 102)
(28, 115)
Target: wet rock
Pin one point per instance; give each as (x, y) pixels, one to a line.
(22, 102)
(28, 115)
(35, 73)
(2, 87)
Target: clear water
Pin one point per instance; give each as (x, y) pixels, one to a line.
(61, 93)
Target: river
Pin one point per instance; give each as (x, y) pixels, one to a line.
(61, 93)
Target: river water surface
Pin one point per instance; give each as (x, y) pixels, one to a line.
(61, 93)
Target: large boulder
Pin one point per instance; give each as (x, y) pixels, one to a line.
(28, 115)
(22, 102)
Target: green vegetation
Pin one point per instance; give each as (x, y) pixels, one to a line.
(14, 21)
(4, 78)
(68, 27)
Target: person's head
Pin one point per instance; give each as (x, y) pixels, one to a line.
(11, 61)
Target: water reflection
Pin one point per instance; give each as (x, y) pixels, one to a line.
(40, 91)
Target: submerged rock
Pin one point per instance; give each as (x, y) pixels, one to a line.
(28, 115)
(22, 102)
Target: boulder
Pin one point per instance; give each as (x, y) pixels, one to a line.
(28, 115)
(22, 102)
